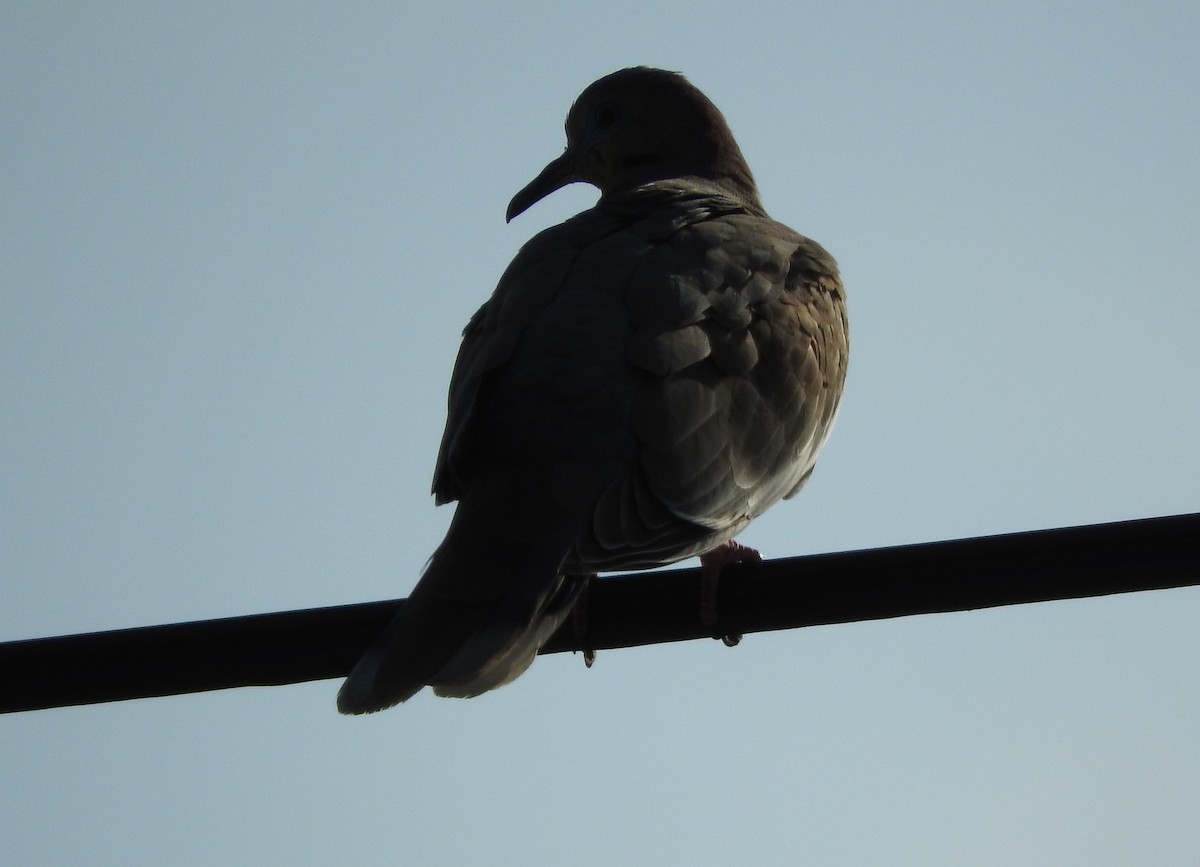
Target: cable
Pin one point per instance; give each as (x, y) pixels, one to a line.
(623, 611)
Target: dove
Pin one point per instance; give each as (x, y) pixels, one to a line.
(647, 378)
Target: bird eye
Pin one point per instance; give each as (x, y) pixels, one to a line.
(605, 115)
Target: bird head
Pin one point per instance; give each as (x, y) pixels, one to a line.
(640, 125)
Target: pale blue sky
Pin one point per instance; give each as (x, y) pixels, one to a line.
(238, 244)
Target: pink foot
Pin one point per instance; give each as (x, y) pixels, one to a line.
(711, 564)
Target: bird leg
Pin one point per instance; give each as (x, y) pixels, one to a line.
(711, 564)
(580, 621)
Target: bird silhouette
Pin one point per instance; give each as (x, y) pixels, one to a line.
(647, 378)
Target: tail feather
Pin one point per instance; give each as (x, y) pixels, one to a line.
(499, 653)
(406, 657)
(359, 693)
(475, 621)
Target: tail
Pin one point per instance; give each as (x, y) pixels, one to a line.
(474, 622)
(499, 653)
(394, 669)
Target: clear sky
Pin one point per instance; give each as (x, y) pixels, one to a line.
(238, 243)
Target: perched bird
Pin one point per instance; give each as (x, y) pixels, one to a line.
(647, 378)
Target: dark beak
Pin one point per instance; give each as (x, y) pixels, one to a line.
(558, 174)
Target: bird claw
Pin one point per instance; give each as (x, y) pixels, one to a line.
(711, 564)
(579, 622)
